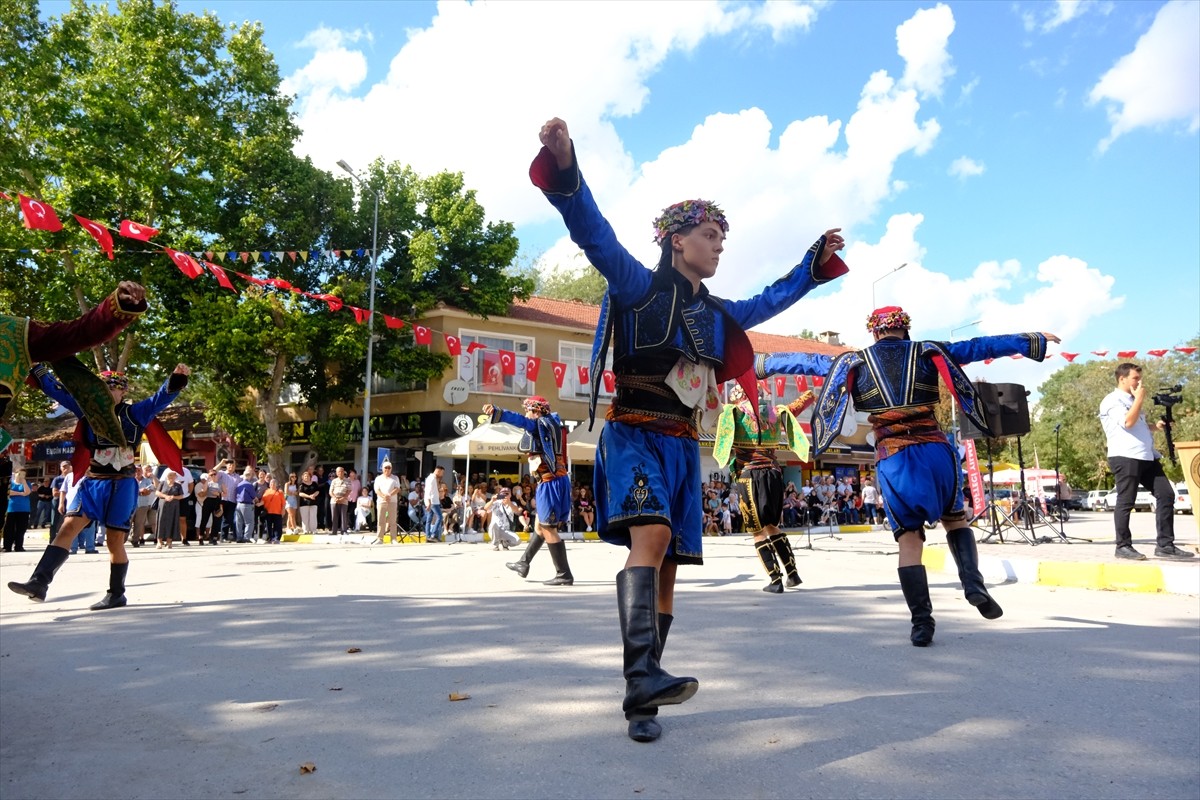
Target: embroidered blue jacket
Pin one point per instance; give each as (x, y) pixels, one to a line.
(544, 436)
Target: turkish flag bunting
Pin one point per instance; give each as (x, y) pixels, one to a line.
(222, 278)
(780, 385)
(1016, 355)
(423, 334)
(453, 344)
(334, 302)
(187, 265)
(38, 215)
(1070, 357)
(264, 282)
(1126, 353)
(583, 377)
(135, 230)
(610, 380)
(560, 371)
(99, 233)
(508, 362)
(3, 196)
(801, 384)
(393, 322)
(533, 365)
(988, 360)
(280, 283)
(818, 381)
(1100, 353)
(473, 346)
(1186, 350)
(1157, 353)
(361, 315)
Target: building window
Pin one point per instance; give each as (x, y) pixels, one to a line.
(482, 369)
(576, 356)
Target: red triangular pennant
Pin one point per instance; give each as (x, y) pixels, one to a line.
(1070, 357)
(393, 322)
(1157, 353)
(1126, 353)
(222, 278)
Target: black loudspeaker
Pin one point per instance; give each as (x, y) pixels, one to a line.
(1004, 407)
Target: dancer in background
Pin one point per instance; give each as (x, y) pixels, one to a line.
(545, 444)
(895, 381)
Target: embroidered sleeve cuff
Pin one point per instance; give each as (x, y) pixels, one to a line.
(760, 366)
(176, 382)
(833, 268)
(1037, 346)
(122, 311)
(497, 413)
(546, 175)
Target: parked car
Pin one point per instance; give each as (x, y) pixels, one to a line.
(1144, 501)
(1095, 500)
(1183, 501)
(1077, 500)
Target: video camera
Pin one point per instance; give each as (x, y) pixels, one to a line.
(1169, 395)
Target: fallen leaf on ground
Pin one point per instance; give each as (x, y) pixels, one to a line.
(354, 650)
(335, 688)
(456, 696)
(307, 767)
(267, 707)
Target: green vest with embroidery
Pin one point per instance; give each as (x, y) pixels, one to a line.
(15, 361)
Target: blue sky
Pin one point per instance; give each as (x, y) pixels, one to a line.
(1037, 165)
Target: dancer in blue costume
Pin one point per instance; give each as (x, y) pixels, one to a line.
(545, 444)
(674, 344)
(108, 495)
(895, 381)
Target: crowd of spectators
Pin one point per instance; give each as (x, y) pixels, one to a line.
(823, 500)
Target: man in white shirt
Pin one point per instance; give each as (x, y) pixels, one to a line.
(433, 504)
(1134, 461)
(386, 490)
(869, 496)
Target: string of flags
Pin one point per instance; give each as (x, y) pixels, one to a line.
(37, 215)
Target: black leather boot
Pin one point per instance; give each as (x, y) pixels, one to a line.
(783, 549)
(643, 727)
(38, 584)
(522, 567)
(562, 570)
(966, 556)
(116, 588)
(766, 554)
(915, 584)
(646, 683)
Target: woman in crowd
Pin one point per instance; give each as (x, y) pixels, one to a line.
(17, 520)
(362, 510)
(308, 494)
(477, 509)
(273, 501)
(210, 509)
(170, 493)
(291, 503)
(587, 508)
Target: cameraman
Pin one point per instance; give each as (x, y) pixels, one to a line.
(1134, 461)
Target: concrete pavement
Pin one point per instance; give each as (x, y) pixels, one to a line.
(232, 667)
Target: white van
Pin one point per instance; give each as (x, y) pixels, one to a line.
(1095, 500)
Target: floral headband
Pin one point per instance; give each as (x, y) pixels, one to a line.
(888, 318)
(685, 215)
(538, 404)
(116, 380)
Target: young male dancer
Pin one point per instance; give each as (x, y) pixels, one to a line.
(545, 443)
(895, 381)
(674, 344)
(747, 436)
(109, 494)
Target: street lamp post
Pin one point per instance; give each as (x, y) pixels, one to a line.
(953, 405)
(366, 440)
(881, 277)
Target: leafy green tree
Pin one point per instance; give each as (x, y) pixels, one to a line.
(574, 281)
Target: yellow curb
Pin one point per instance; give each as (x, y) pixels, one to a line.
(933, 559)
(1113, 577)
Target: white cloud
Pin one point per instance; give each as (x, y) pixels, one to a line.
(784, 16)
(1158, 83)
(921, 41)
(1063, 12)
(963, 168)
(1048, 17)
(333, 66)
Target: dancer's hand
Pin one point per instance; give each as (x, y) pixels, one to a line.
(131, 294)
(182, 369)
(1050, 337)
(557, 140)
(488, 408)
(833, 243)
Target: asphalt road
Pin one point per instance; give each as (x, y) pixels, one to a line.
(232, 667)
